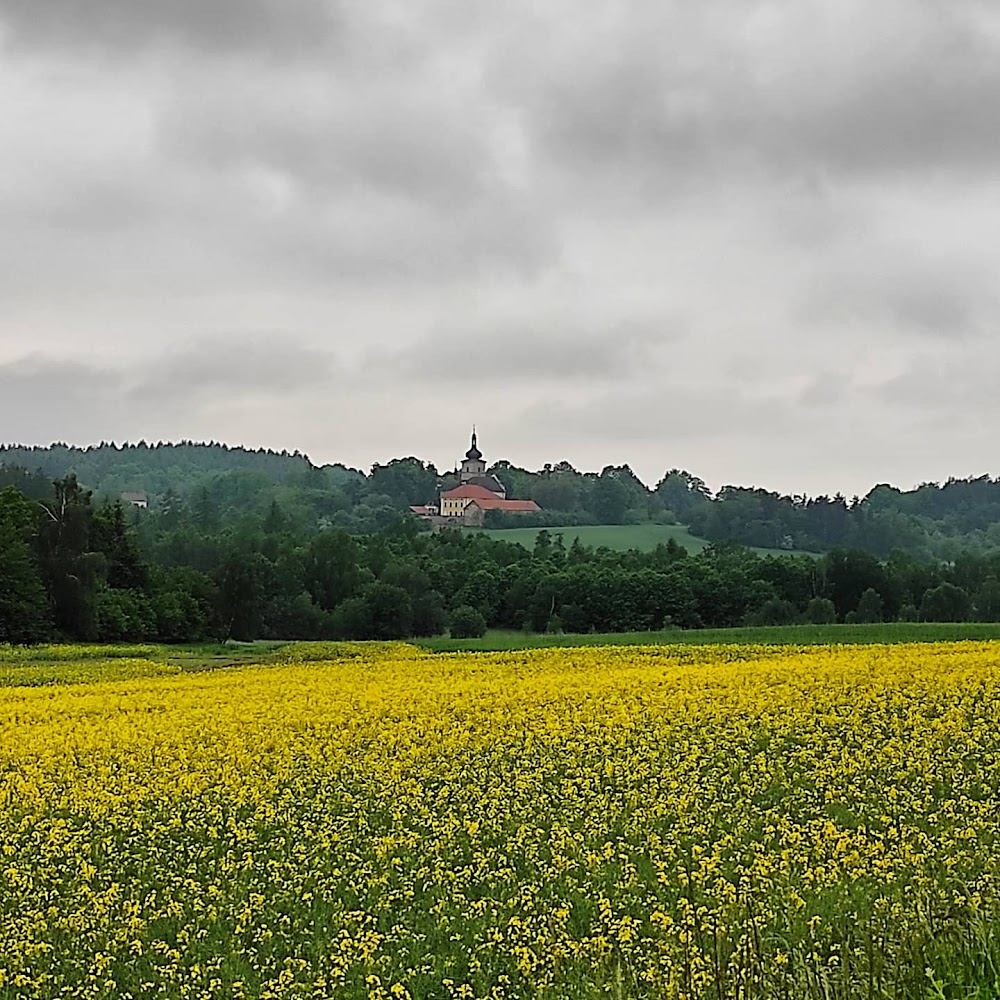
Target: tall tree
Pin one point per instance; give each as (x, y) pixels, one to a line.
(609, 497)
(24, 608)
(70, 570)
(243, 590)
(111, 535)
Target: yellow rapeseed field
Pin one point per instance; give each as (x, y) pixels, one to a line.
(633, 822)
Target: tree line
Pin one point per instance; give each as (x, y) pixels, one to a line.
(75, 568)
(937, 521)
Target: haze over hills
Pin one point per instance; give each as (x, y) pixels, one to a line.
(933, 519)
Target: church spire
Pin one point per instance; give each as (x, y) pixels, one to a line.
(474, 454)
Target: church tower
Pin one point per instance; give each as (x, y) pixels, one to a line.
(473, 466)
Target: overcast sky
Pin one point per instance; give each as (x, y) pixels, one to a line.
(760, 241)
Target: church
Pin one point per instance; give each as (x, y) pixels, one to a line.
(465, 502)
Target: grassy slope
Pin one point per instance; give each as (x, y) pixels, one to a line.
(644, 537)
(612, 536)
(777, 635)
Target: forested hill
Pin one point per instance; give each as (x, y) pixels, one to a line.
(216, 479)
(111, 468)
(932, 521)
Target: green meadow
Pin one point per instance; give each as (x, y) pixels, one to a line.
(619, 537)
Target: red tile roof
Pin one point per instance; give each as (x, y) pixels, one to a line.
(514, 506)
(468, 491)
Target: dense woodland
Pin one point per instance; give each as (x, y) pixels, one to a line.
(242, 545)
(934, 521)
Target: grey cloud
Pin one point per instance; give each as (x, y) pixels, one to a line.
(91, 205)
(936, 387)
(121, 26)
(679, 95)
(401, 175)
(44, 399)
(828, 389)
(318, 132)
(922, 90)
(229, 381)
(941, 311)
(368, 242)
(669, 414)
(814, 215)
(233, 367)
(548, 349)
(685, 425)
(915, 299)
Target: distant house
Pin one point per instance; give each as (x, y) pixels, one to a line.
(454, 501)
(136, 499)
(476, 492)
(475, 510)
(470, 502)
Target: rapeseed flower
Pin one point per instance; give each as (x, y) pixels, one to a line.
(373, 821)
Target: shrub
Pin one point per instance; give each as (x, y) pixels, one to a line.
(820, 611)
(429, 615)
(870, 607)
(774, 611)
(124, 616)
(946, 603)
(352, 619)
(467, 623)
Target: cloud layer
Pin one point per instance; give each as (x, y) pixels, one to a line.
(752, 239)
